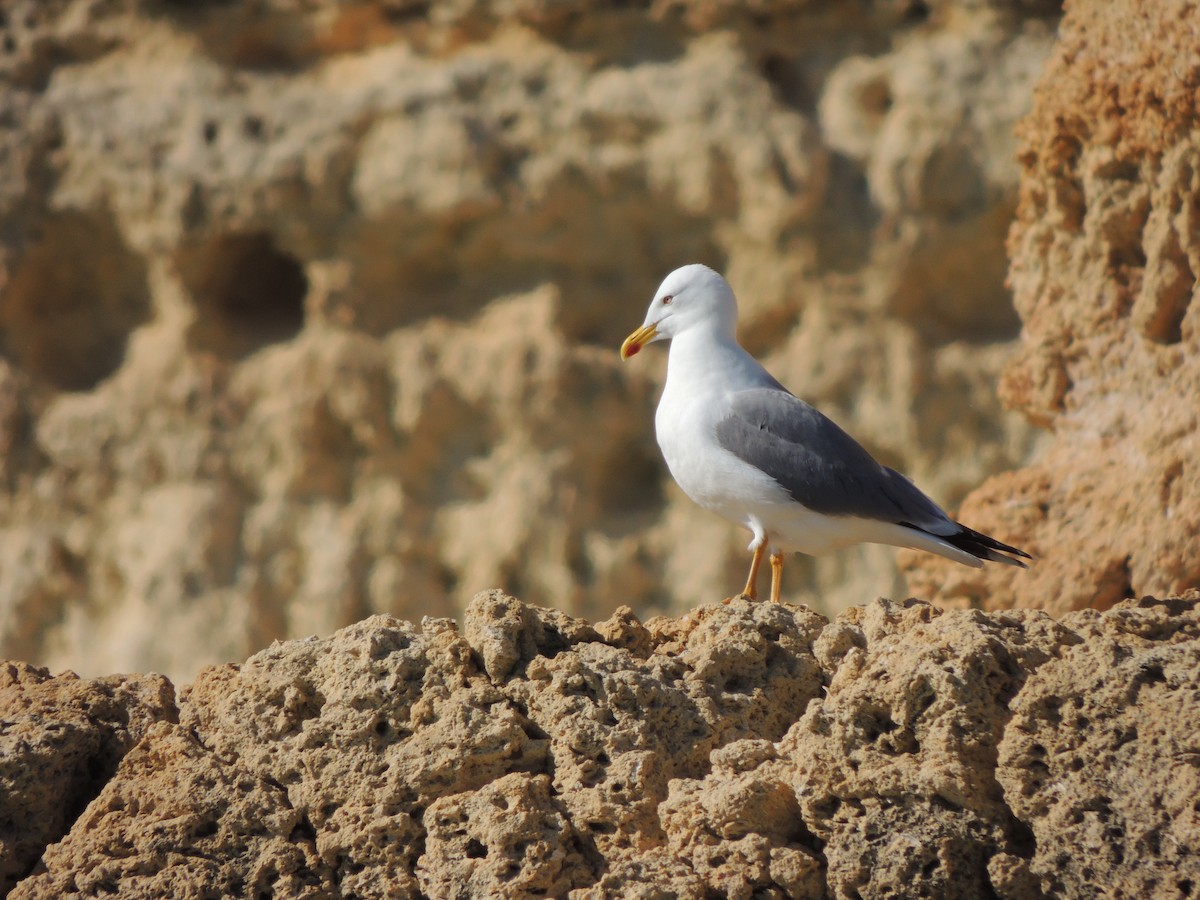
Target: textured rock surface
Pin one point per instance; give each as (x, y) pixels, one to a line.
(309, 311)
(1105, 257)
(742, 750)
(60, 742)
(1102, 757)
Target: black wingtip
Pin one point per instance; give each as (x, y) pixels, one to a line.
(983, 546)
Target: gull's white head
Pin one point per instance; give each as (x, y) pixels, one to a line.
(690, 296)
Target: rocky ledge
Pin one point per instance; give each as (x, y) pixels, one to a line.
(741, 750)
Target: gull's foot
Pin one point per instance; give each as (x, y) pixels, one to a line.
(742, 596)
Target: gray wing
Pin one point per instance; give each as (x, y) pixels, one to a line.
(820, 465)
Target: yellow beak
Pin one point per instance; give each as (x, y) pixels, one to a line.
(638, 340)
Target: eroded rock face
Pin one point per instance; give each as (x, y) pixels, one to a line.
(1095, 763)
(745, 750)
(61, 740)
(1105, 256)
(310, 310)
(895, 767)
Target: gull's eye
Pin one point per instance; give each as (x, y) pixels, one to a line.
(666, 301)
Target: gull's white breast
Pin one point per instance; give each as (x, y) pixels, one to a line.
(700, 377)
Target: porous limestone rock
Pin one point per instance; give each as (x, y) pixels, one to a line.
(61, 739)
(310, 310)
(510, 833)
(1105, 257)
(1102, 757)
(743, 750)
(894, 767)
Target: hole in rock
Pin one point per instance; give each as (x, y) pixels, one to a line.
(248, 293)
(878, 725)
(787, 82)
(917, 12)
(303, 831)
(875, 97)
(476, 850)
(736, 684)
(205, 829)
(74, 298)
(800, 834)
(1021, 839)
(1150, 673)
(532, 731)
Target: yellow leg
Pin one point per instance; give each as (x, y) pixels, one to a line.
(751, 590)
(776, 576)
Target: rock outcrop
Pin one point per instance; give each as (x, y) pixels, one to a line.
(310, 310)
(1105, 257)
(61, 740)
(741, 750)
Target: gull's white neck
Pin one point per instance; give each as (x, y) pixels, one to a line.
(708, 358)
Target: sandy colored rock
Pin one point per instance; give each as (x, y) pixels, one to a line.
(894, 766)
(310, 311)
(367, 753)
(181, 821)
(743, 750)
(721, 674)
(61, 740)
(741, 829)
(1105, 252)
(507, 837)
(1102, 756)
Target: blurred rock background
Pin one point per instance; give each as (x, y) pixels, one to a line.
(309, 309)
(1105, 255)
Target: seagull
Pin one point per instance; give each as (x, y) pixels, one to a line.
(742, 446)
